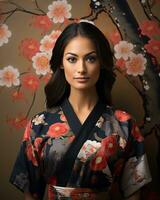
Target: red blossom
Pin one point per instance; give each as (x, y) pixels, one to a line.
(17, 95)
(46, 77)
(153, 47)
(99, 162)
(27, 132)
(136, 133)
(120, 63)
(149, 28)
(109, 145)
(30, 154)
(122, 116)
(41, 22)
(37, 142)
(29, 47)
(18, 122)
(58, 129)
(63, 118)
(115, 37)
(30, 82)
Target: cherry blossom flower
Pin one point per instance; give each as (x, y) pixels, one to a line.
(47, 44)
(41, 63)
(149, 28)
(122, 116)
(9, 76)
(57, 130)
(39, 119)
(115, 37)
(153, 47)
(88, 148)
(136, 65)
(47, 77)
(42, 22)
(123, 50)
(17, 95)
(29, 47)
(30, 82)
(18, 122)
(55, 34)
(120, 63)
(59, 11)
(4, 34)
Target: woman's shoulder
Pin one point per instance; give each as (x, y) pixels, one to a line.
(41, 121)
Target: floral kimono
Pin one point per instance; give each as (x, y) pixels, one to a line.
(81, 161)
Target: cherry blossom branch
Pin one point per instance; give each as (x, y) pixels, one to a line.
(114, 22)
(148, 12)
(33, 100)
(20, 9)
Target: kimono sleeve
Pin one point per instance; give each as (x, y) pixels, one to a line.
(136, 171)
(26, 174)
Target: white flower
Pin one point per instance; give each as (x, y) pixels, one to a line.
(59, 10)
(136, 65)
(41, 63)
(39, 119)
(88, 148)
(9, 76)
(47, 44)
(4, 34)
(123, 50)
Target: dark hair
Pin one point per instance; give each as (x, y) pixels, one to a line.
(57, 89)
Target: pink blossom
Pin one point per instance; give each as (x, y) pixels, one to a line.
(9, 76)
(136, 65)
(41, 63)
(123, 50)
(4, 34)
(59, 11)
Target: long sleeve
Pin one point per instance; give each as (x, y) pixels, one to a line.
(136, 171)
(26, 173)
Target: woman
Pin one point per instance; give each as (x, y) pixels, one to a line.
(80, 146)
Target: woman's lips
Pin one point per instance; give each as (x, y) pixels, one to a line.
(82, 79)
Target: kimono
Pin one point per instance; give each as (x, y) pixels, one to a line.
(81, 161)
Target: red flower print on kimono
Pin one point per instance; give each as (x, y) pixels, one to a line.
(109, 145)
(37, 144)
(58, 129)
(122, 116)
(26, 135)
(31, 155)
(99, 162)
(136, 133)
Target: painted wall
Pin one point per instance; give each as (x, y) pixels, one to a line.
(28, 31)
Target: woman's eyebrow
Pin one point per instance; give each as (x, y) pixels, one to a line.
(77, 55)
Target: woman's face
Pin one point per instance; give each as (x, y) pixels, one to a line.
(81, 64)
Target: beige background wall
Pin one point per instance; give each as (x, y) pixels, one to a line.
(125, 94)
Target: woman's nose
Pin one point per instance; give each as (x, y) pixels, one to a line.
(81, 67)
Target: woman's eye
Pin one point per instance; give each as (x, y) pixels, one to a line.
(91, 59)
(72, 59)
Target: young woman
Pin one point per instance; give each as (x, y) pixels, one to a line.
(81, 146)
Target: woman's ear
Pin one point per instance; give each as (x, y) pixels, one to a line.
(61, 67)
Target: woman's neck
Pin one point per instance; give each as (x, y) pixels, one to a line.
(83, 100)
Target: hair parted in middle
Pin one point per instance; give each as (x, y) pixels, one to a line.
(57, 89)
